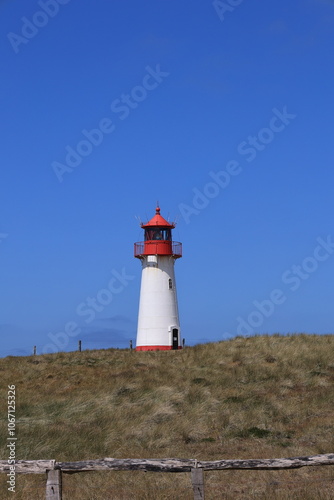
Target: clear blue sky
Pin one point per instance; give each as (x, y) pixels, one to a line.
(223, 114)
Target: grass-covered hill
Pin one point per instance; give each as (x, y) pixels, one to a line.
(258, 397)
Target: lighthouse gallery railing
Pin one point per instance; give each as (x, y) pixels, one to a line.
(173, 248)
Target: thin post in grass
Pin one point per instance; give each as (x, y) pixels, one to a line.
(197, 481)
(54, 485)
(79, 346)
(130, 345)
(34, 350)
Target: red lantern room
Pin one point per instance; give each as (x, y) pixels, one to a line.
(158, 239)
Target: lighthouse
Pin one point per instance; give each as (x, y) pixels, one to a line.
(158, 317)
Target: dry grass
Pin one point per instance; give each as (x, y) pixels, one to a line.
(258, 397)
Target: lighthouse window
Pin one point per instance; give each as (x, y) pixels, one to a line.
(170, 284)
(148, 234)
(167, 234)
(158, 234)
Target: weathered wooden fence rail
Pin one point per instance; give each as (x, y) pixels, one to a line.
(55, 469)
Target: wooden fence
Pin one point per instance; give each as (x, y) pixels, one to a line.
(54, 470)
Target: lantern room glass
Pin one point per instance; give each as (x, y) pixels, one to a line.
(156, 234)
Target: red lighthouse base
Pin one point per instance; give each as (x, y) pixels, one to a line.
(156, 348)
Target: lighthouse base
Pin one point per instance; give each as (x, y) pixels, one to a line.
(157, 348)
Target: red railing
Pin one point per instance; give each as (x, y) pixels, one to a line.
(151, 247)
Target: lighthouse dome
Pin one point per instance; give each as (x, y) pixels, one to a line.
(158, 220)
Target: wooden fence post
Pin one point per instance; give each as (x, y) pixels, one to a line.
(79, 346)
(197, 479)
(54, 485)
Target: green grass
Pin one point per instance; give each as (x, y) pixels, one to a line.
(258, 397)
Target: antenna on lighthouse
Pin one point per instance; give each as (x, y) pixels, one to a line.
(137, 217)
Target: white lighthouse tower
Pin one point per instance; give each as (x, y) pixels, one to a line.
(158, 318)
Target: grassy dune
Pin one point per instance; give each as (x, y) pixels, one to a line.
(258, 397)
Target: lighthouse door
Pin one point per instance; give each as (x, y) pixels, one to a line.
(175, 338)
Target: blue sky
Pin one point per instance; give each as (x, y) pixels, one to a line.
(222, 111)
